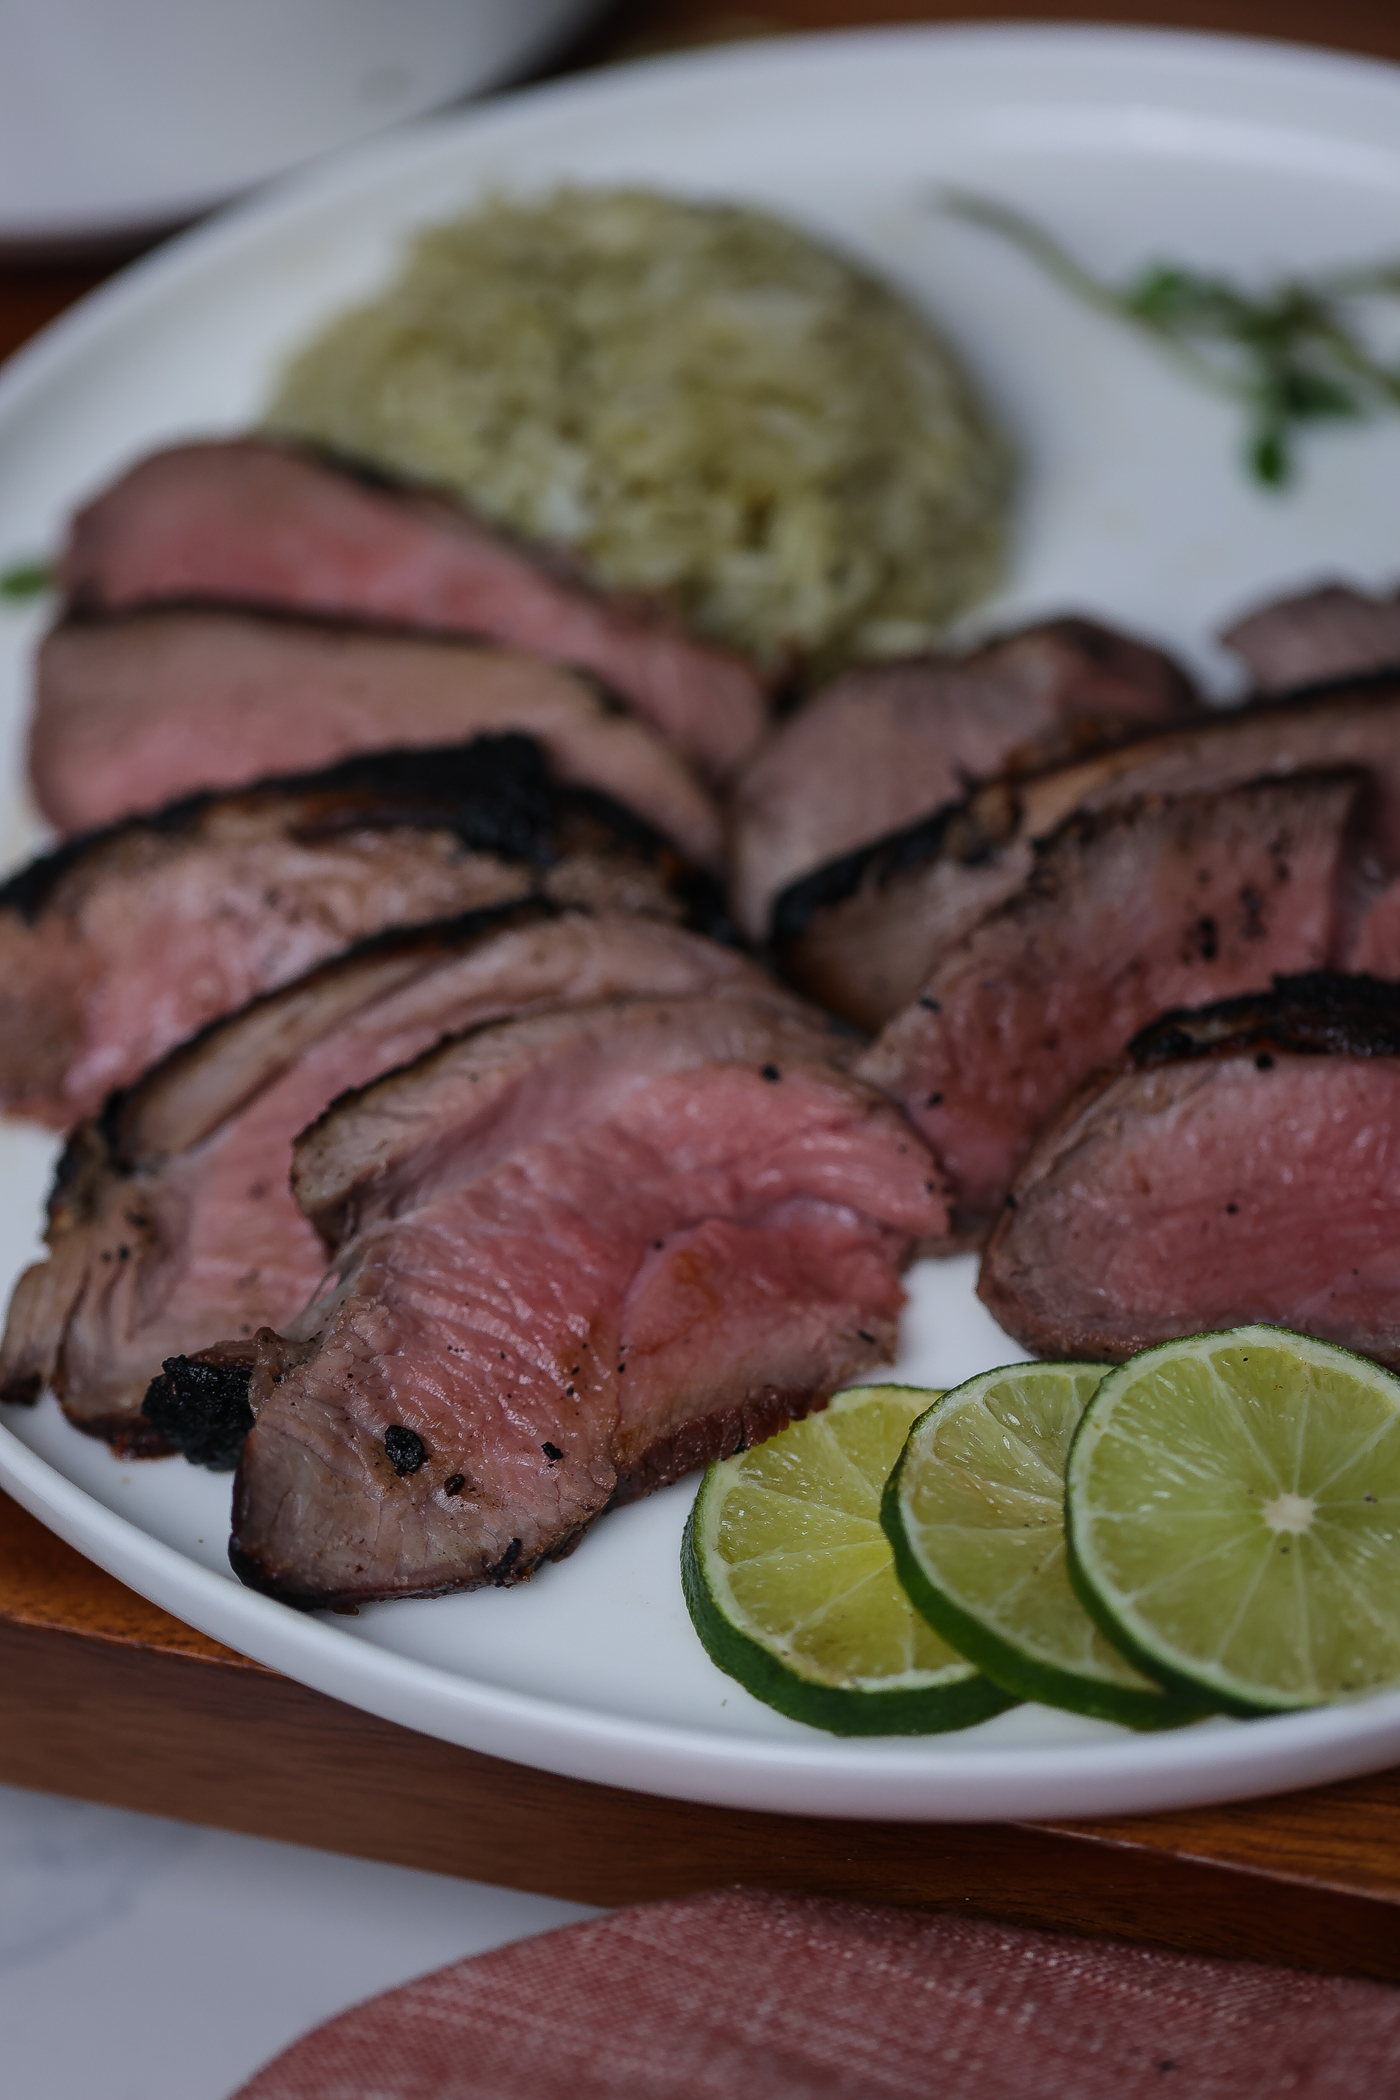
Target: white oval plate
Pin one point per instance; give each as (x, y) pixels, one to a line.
(1246, 157)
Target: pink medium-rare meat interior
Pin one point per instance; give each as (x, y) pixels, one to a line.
(139, 710)
(249, 522)
(1315, 636)
(1165, 902)
(1206, 1195)
(684, 1185)
(173, 1224)
(117, 947)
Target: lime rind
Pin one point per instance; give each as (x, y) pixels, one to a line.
(1254, 1564)
(973, 1511)
(787, 1577)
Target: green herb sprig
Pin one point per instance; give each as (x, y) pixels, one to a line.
(25, 580)
(1286, 354)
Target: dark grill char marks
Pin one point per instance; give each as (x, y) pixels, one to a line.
(1241, 1163)
(248, 522)
(1159, 903)
(887, 743)
(1329, 633)
(120, 945)
(134, 711)
(603, 1231)
(863, 934)
(172, 1223)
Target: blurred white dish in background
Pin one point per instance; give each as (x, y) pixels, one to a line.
(118, 118)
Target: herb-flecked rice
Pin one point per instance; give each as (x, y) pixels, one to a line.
(694, 400)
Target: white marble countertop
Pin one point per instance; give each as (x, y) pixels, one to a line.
(146, 1960)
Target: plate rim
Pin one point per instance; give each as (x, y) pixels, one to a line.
(982, 1783)
(838, 1777)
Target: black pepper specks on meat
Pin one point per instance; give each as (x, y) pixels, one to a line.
(455, 1484)
(930, 1006)
(1254, 927)
(1263, 1062)
(507, 1561)
(864, 1337)
(935, 1100)
(404, 1448)
(770, 1073)
(1206, 936)
(552, 1453)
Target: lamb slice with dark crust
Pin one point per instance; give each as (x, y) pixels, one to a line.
(887, 743)
(1157, 903)
(118, 946)
(1324, 634)
(863, 934)
(134, 711)
(644, 1234)
(172, 1222)
(248, 521)
(1241, 1163)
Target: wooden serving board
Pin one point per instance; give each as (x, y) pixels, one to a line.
(104, 1696)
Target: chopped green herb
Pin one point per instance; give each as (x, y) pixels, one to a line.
(1286, 354)
(25, 580)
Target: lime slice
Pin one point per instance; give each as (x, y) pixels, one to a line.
(791, 1584)
(975, 1513)
(1233, 1516)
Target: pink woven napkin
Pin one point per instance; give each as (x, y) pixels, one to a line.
(738, 1996)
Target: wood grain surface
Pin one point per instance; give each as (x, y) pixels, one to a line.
(104, 1696)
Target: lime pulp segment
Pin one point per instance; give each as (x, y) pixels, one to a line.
(1233, 1517)
(975, 1515)
(791, 1584)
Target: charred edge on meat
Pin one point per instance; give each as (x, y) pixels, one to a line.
(1319, 1014)
(969, 832)
(83, 1166)
(973, 829)
(199, 1406)
(495, 793)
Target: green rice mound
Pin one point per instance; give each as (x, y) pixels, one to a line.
(694, 400)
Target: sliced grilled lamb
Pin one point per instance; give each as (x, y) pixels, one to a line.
(137, 710)
(1242, 1163)
(863, 934)
(578, 1255)
(1329, 633)
(119, 945)
(886, 743)
(172, 1222)
(1156, 903)
(250, 522)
